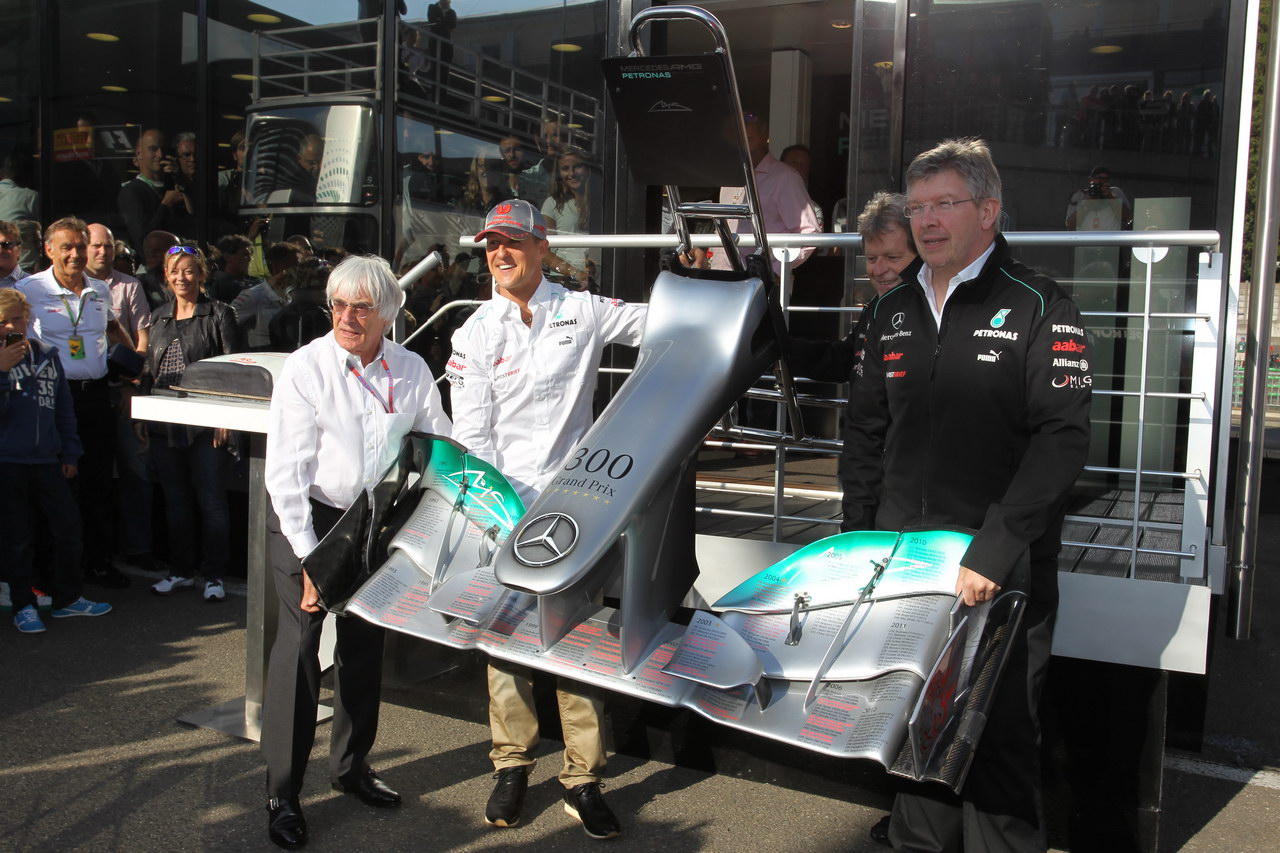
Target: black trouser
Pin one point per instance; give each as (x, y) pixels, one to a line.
(999, 808)
(96, 426)
(42, 487)
(293, 679)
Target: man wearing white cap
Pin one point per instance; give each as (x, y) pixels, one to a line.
(523, 373)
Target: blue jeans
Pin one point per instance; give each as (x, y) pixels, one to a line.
(40, 486)
(190, 477)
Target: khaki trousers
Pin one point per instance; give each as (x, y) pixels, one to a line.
(514, 724)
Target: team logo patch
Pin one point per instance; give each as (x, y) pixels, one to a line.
(546, 539)
(998, 320)
(898, 320)
(502, 208)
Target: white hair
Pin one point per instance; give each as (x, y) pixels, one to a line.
(368, 276)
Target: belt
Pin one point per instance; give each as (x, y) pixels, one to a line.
(87, 384)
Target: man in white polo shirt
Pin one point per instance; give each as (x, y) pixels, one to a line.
(72, 312)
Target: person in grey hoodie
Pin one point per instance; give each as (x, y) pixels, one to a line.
(39, 451)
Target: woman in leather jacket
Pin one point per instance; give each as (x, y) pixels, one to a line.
(190, 461)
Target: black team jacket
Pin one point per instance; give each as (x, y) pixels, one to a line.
(982, 424)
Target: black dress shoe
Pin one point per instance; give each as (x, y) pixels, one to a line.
(880, 832)
(286, 827)
(106, 575)
(371, 790)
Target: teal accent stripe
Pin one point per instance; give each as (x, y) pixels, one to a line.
(1028, 287)
(876, 313)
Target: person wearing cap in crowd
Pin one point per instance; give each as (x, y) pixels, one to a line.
(339, 411)
(523, 373)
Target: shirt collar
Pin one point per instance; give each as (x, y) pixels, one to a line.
(969, 273)
(545, 292)
(346, 359)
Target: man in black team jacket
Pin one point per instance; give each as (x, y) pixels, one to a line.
(971, 410)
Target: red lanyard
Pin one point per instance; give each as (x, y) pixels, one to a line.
(390, 405)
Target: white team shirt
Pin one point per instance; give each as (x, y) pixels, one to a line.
(522, 395)
(52, 324)
(329, 437)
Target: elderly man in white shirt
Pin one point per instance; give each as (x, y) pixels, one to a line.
(523, 372)
(338, 413)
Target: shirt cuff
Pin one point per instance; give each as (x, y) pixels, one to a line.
(303, 543)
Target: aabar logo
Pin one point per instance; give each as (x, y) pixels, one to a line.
(998, 320)
(1068, 346)
(892, 356)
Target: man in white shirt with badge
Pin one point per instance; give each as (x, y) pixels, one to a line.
(338, 413)
(71, 311)
(523, 372)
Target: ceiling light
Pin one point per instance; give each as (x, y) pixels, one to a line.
(243, 77)
(1106, 48)
(443, 132)
(566, 47)
(884, 64)
(5, 99)
(224, 144)
(102, 36)
(494, 99)
(263, 18)
(841, 24)
(114, 89)
(573, 126)
(233, 117)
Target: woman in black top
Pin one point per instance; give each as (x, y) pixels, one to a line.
(190, 461)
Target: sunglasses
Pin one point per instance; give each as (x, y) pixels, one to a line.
(6, 245)
(184, 250)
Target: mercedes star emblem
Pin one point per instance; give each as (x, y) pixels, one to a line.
(546, 539)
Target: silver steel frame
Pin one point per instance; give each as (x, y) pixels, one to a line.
(1202, 481)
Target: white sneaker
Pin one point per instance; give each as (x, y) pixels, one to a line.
(213, 591)
(171, 584)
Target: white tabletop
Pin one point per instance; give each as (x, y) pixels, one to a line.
(247, 415)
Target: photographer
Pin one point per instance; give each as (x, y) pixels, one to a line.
(154, 201)
(1098, 214)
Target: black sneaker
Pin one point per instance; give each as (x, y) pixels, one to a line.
(106, 575)
(507, 797)
(586, 804)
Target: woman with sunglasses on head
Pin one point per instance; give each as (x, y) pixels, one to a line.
(190, 461)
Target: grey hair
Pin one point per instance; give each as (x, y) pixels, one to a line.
(369, 276)
(186, 136)
(883, 213)
(970, 158)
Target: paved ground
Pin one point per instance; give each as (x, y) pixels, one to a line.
(91, 757)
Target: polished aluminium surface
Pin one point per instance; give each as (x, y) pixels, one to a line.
(1244, 544)
(627, 484)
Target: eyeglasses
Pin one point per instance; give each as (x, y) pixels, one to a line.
(8, 244)
(360, 309)
(942, 208)
(184, 250)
